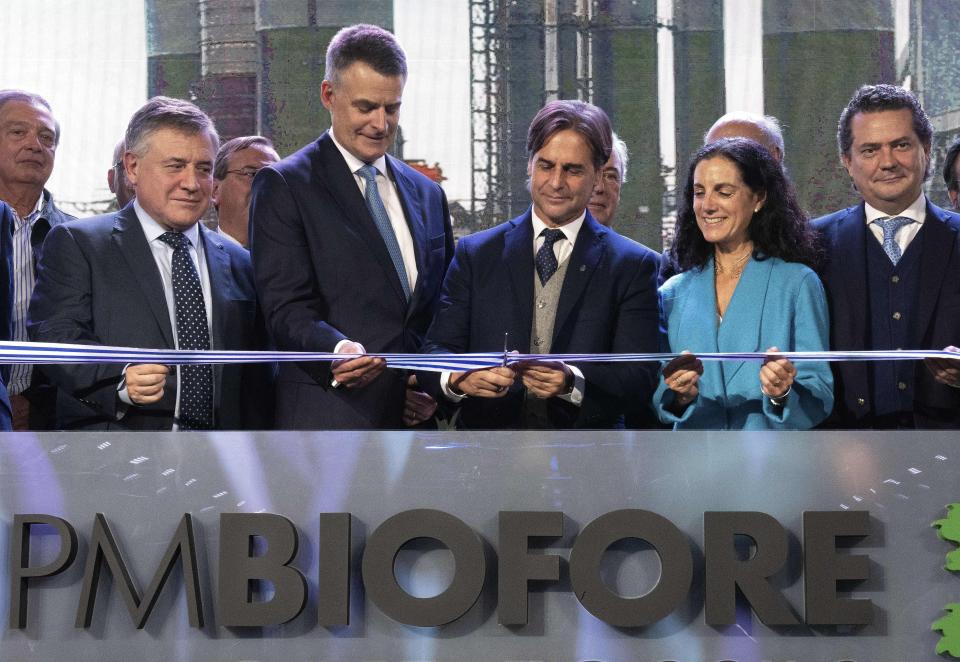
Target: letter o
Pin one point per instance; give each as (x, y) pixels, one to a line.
(676, 563)
(381, 551)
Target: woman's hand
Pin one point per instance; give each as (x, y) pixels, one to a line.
(681, 376)
(776, 375)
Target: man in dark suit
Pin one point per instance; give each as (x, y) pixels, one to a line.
(29, 136)
(556, 281)
(6, 308)
(891, 270)
(151, 276)
(349, 248)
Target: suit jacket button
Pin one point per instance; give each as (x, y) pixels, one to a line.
(861, 401)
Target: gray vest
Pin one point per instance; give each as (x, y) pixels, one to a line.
(545, 301)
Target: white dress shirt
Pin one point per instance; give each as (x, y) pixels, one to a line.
(391, 202)
(916, 211)
(24, 278)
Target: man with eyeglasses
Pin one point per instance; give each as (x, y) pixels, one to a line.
(29, 136)
(237, 162)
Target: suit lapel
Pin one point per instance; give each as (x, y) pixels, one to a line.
(697, 327)
(518, 256)
(331, 172)
(218, 268)
(132, 243)
(740, 329)
(583, 261)
(938, 243)
(848, 279)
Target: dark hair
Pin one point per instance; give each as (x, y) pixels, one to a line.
(6, 96)
(877, 98)
(584, 118)
(780, 229)
(231, 147)
(949, 171)
(365, 43)
(167, 113)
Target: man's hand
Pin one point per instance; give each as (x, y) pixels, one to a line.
(945, 371)
(418, 406)
(145, 382)
(486, 383)
(356, 372)
(546, 379)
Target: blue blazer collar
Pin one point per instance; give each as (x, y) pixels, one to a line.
(740, 329)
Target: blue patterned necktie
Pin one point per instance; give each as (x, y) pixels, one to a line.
(196, 381)
(546, 260)
(890, 227)
(380, 217)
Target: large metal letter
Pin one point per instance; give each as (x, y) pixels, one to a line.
(381, 582)
(676, 564)
(725, 572)
(20, 570)
(333, 598)
(823, 568)
(104, 547)
(238, 568)
(516, 567)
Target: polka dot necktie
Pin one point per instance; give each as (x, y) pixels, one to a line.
(380, 217)
(196, 381)
(890, 227)
(546, 260)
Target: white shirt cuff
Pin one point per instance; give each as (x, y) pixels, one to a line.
(336, 350)
(575, 397)
(447, 391)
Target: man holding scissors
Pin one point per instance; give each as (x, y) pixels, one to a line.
(555, 281)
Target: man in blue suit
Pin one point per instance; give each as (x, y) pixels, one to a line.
(349, 248)
(151, 276)
(892, 270)
(555, 281)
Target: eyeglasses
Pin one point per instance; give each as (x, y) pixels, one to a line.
(249, 173)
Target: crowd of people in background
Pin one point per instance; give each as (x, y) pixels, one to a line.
(341, 248)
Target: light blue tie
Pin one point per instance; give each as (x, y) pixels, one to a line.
(890, 227)
(379, 213)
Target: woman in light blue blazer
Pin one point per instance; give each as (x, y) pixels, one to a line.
(743, 253)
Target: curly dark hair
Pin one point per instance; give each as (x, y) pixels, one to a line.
(780, 229)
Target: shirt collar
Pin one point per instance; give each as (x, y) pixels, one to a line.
(354, 164)
(570, 230)
(30, 218)
(153, 230)
(915, 212)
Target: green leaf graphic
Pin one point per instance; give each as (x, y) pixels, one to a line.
(949, 529)
(949, 627)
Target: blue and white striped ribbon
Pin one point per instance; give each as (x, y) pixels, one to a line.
(57, 353)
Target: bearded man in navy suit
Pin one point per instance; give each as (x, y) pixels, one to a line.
(892, 270)
(556, 281)
(151, 276)
(349, 248)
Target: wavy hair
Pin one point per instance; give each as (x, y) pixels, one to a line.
(780, 229)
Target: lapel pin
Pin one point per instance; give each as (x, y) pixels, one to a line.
(583, 267)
